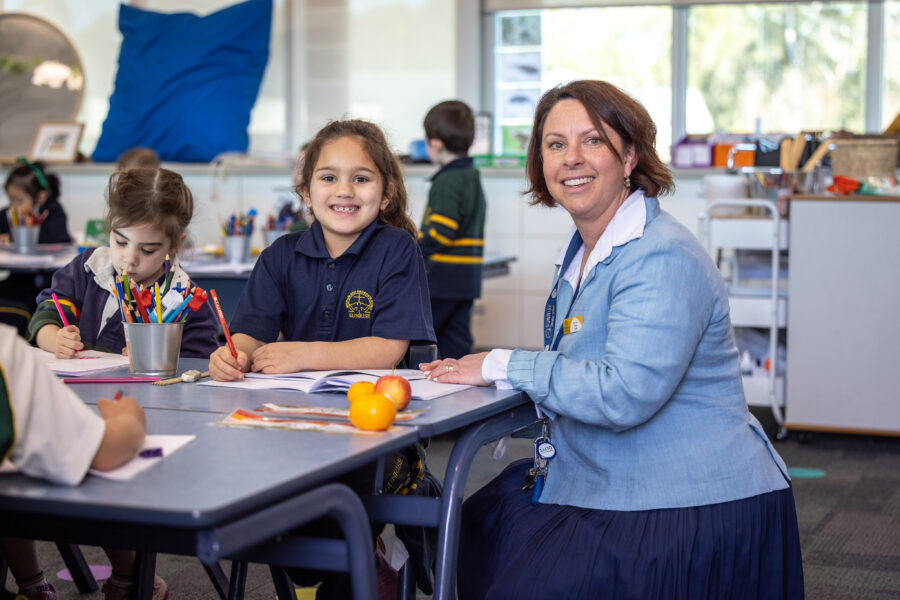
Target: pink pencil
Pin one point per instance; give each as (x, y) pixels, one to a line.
(62, 315)
(110, 379)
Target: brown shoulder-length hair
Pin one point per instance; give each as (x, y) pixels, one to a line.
(158, 197)
(605, 103)
(376, 146)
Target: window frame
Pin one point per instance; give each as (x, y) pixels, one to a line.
(875, 65)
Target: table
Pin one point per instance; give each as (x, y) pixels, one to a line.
(283, 483)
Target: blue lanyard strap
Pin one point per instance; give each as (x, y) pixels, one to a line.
(550, 309)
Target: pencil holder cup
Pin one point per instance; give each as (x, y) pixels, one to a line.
(237, 248)
(153, 348)
(272, 235)
(25, 238)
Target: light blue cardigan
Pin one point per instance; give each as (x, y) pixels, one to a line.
(646, 400)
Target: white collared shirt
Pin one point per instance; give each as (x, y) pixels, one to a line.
(626, 225)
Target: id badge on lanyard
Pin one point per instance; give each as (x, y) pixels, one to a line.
(544, 450)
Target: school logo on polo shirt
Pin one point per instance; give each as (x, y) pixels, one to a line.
(359, 305)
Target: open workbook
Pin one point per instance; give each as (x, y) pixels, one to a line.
(340, 381)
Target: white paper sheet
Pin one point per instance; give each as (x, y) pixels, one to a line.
(168, 443)
(87, 362)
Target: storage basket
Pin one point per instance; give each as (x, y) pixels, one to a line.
(867, 157)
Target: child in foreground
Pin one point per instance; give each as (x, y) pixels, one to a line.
(47, 431)
(148, 212)
(351, 291)
(348, 293)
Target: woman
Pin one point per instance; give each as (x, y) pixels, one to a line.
(663, 484)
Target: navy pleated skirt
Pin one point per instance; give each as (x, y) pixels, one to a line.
(512, 549)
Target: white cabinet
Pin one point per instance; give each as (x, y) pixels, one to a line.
(844, 314)
(740, 245)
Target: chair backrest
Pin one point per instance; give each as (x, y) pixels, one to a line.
(419, 353)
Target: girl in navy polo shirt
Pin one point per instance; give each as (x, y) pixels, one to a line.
(350, 292)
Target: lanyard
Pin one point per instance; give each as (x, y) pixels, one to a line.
(551, 343)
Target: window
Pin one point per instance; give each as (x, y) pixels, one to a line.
(540, 49)
(776, 67)
(891, 105)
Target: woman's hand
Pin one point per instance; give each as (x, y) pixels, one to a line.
(68, 342)
(278, 357)
(225, 367)
(466, 370)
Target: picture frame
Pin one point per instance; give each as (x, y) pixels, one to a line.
(56, 141)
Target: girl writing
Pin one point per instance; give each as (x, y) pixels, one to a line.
(148, 211)
(351, 291)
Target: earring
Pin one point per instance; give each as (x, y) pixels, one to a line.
(627, 181)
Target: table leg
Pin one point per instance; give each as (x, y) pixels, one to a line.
(473, 438)
(217, 577)
(78, 568)
(238, 580)
(144, 574)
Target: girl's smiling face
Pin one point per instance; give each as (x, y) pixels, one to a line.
(346, 192)
(140, 251)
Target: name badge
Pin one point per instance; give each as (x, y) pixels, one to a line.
(573, 324)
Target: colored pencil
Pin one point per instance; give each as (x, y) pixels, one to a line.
(62, 315)
(110, 379)
(158, 303)
(169, 277)
(219, 312)
(118, 395)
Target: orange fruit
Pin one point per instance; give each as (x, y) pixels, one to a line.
(358, 389)
(372, 411)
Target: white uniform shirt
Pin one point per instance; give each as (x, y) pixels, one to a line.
(55, 435)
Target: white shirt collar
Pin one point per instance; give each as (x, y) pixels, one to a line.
(626, 225)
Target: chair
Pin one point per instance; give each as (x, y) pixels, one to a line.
(418, 353)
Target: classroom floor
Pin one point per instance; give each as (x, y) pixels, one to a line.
(849, 521)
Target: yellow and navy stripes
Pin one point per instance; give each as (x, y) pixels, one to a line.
(452, 232)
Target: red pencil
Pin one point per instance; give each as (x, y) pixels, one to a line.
(218, 306)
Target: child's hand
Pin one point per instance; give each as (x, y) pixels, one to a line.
(224, 367)
(125, 351)
(4, 238)
(279, 357)
(68, 342)
(123, 407)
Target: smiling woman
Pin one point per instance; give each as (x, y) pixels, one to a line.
(638, 349)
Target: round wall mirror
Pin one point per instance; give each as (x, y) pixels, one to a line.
(41, 79)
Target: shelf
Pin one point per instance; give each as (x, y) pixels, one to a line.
(756, 390)
(750, 234)
(755, 310)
